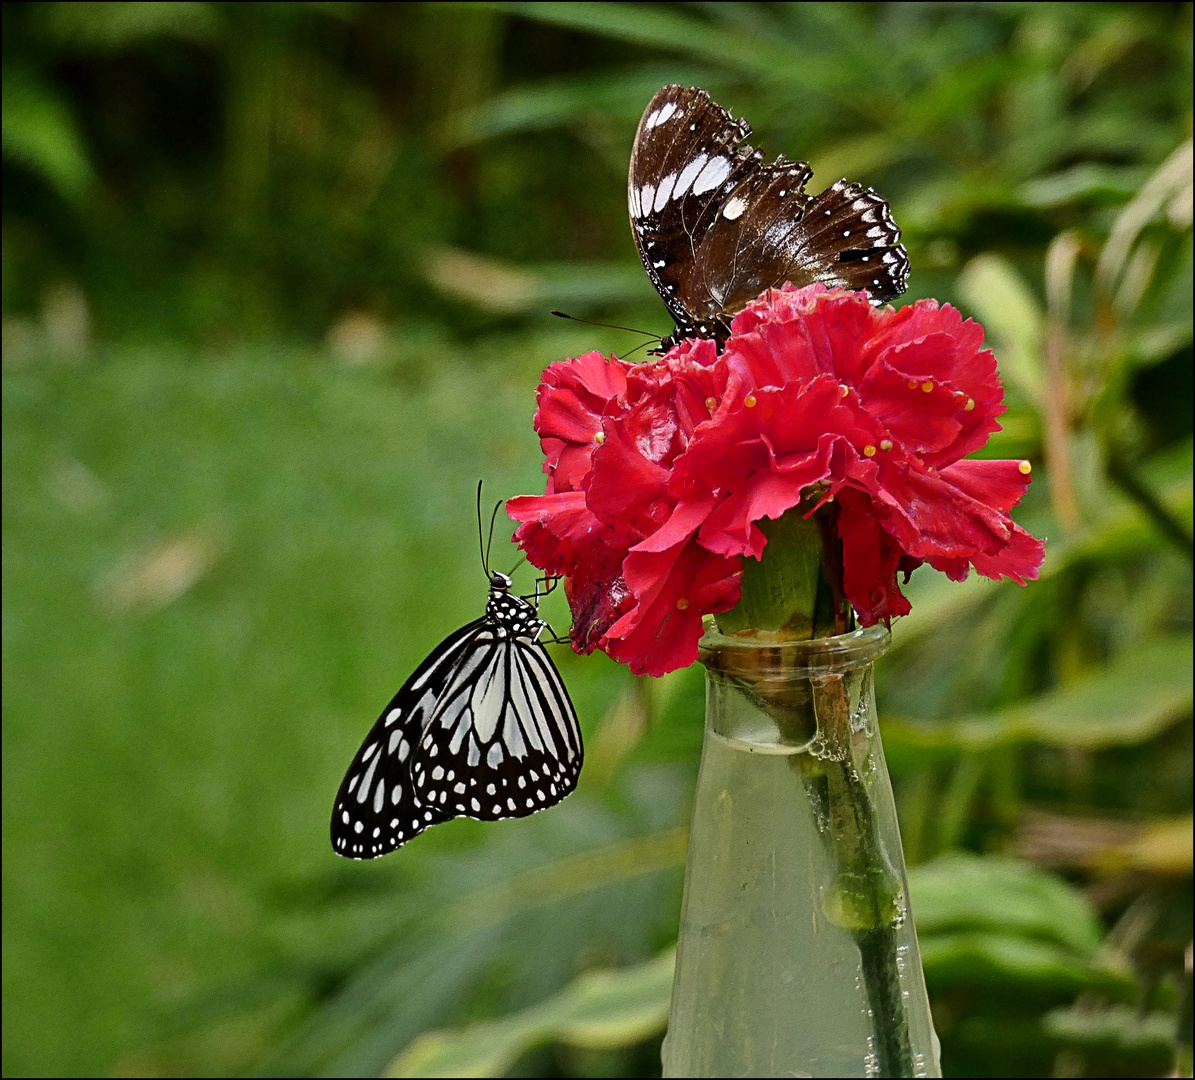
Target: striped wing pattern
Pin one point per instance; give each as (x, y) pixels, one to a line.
(483, 728)
(503, 741)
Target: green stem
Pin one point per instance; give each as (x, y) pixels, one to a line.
(1168, 525)
(881, 976)
(794, 592)
(867, 894)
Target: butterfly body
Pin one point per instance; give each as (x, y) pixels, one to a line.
(715, 225)
(483, 728)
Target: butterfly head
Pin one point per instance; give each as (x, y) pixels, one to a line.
(499, 582)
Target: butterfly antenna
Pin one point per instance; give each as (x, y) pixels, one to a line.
(490, 542)
(480, 546)
(641, 345)
(608, 326)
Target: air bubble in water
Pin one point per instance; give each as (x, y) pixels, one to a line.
(871, 1060)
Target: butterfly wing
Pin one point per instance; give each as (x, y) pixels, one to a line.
(715, 225)
(376, 809)
(503, 741)
(685, 159)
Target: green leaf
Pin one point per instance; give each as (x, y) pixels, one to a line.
(1011, 316)
(599, 1010)
(981, 959)
(1086, 182)
(41, 133)
(107, 25)
(1118, 1029)
(558, 102)
(660, 26)
(1140, 694)
(565, 878)
(501, 287)
(964, 892)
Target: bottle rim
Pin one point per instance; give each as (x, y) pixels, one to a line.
(732, 654)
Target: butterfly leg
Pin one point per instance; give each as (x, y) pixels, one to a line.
(549, 581)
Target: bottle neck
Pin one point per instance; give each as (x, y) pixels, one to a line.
(786, 697)
(739, 656)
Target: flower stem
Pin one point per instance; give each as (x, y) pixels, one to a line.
(867, 896)
(795, 591)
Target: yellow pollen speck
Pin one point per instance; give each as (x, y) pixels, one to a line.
(1025, 467)
(600, 438)
(749, 401)
(885, 444)
(928, 387)
(711, 403)
(869, 451)
(829, 498)
(970, 405)
(682, 603)
(846, 390)
(912, 384)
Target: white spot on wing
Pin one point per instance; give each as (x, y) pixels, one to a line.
(688, 174)
(665, 192)
(734, 209)
(661, 115)
(366, 781)
(715, 171)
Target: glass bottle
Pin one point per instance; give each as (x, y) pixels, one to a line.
(797, 953)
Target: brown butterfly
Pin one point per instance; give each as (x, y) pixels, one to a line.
(715, 226)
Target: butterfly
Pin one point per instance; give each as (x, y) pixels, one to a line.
(715, 226)
(483, 728)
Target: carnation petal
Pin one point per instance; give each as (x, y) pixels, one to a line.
(561, 535)
(731, 528)
(626, 486)
(675, 588)
(573, 398)
(870, 560)
(920, 422)
(998, 484)
(1019, 560)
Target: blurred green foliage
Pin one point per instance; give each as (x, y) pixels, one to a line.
(275, 283)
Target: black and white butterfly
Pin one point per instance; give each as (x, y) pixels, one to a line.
(715, 226)
(483, 728)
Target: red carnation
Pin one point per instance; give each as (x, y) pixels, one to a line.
(659, 473)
